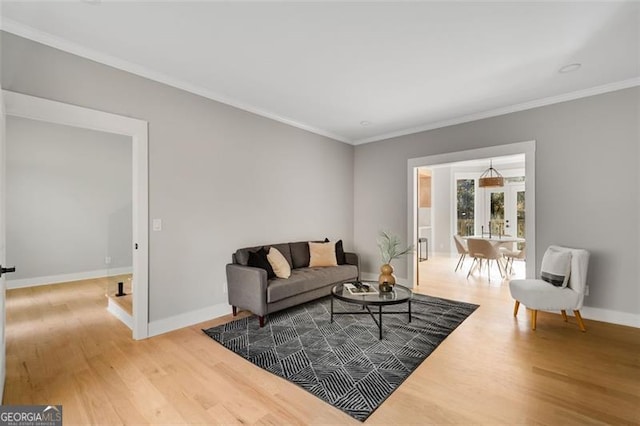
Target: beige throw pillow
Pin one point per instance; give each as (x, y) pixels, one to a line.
(279, 264)
(322, 254)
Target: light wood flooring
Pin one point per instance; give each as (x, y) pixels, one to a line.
(63, 347)
(126, 301)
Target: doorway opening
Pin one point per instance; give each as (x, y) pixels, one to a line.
(44, 110)
(459, 207)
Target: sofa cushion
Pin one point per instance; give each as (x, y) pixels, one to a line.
(258, 259)
(300, 254)
(241, 256)
(284, 250)
(280, 266)
(307, 279)
(322, 254)
(340, 257)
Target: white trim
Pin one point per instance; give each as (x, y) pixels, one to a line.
(64, 278)
(187, 319)
(76, 49)
(526, 148)
(20, 105)
(45, 38)
(606, 315)
(592, 91)
(117, 311)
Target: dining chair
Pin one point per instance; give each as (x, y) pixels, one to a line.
(559, 288)
(481, 250)
(461, 246)
(511, 255)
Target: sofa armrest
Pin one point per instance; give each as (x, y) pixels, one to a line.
(247, 288)
(353, 259)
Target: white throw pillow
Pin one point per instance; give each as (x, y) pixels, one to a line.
(556, 267)
(279, 263)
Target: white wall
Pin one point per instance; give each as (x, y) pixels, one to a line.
(219, 178)
(587, 185)
(441, 203)
(69, 199)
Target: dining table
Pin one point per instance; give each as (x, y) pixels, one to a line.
(496, 240)
(506, 241)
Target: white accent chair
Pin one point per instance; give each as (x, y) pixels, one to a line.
(537, 294)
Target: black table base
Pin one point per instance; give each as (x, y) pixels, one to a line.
(378, 320)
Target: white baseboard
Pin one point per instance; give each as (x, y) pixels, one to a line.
(596, 314)
(615, 317)
(117, 311)
(187, 319)
(63, 278)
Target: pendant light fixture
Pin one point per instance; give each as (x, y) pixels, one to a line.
(491, 178)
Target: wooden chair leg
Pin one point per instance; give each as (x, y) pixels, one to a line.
(564, 315)
(261, 320)
(534, 316)
(235, 310)
(515, 308)
(580, 322)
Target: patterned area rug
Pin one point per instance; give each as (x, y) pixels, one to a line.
(343, 362)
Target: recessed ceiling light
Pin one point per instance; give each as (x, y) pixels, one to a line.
(569, 68)
(365, 123)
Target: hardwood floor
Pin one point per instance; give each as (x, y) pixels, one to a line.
(63, 347)
(126, 301)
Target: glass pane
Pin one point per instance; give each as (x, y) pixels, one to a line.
(465, 190)
(497, 213)
(520, 217)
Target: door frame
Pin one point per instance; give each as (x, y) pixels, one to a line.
(527, 148)
(31, 107)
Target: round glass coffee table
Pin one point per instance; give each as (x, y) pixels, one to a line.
(347, 292)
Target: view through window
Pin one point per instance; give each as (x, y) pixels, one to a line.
(465, 190)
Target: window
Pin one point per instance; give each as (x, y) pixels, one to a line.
(465, 206)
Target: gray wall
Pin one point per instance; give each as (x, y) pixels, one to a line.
(68, 199)
(441, 199)
(587, 184)
(219, 178)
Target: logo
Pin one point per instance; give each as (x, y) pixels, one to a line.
(30, 415)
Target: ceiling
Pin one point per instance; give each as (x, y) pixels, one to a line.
(354, 71)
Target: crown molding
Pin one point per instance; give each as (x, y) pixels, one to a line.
(45, 38)
(598, 90)
(42, 37)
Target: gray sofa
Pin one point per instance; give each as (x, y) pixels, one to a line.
(250, 289)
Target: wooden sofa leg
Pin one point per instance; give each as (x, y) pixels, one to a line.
(564, 315)
(534, 317)
(515, 308)
(579, 319)
(235, 310)
(261, 320)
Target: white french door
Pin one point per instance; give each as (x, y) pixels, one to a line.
(504, 210)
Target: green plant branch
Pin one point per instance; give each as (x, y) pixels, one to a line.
(389, 246)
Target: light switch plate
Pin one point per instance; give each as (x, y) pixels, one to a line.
(157, 224)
